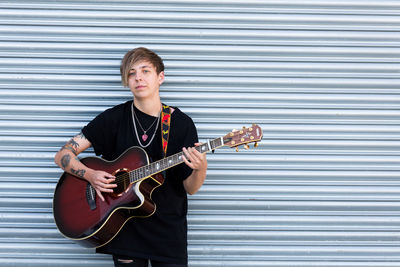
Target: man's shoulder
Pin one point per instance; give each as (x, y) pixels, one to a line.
(180, 114)
(117, 109)
(182, 121)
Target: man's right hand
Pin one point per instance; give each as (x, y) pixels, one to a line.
(101, 182)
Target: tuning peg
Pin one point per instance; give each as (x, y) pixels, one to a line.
(246, 146)
(255, 144)
(237, 149)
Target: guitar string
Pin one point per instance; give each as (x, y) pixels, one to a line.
(126, 176)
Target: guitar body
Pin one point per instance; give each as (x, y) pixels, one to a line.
(82, 216)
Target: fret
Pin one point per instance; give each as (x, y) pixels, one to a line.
(157, 167)
(212, 145)
(160, 164)
(203, 148)
(218, 142)
(151, 168)
(147, 169)
(164, 163)
(132, 176)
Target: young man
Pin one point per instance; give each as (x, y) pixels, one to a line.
(162, 237)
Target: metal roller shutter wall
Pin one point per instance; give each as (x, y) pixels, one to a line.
(320, 77)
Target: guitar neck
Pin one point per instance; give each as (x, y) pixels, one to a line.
(171, 161)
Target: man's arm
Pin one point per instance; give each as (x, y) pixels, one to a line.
(67, 159)
(198, 162)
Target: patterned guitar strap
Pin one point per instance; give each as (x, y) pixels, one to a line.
(165, 127)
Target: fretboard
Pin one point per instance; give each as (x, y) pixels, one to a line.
(168, 162)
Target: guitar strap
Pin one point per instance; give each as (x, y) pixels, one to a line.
(165, 127)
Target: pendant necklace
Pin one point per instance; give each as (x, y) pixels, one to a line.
(144, 136)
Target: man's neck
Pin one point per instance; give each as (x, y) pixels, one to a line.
(150, 107)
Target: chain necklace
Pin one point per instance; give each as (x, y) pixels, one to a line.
(144, 136)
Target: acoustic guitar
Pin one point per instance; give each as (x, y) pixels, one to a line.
(83, 217)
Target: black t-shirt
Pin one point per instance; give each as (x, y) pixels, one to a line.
(162, 236)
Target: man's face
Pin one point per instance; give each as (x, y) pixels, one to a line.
(144, 81)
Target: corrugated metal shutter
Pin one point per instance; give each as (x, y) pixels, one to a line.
(320, 77)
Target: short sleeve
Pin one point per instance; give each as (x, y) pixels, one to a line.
(99, 132)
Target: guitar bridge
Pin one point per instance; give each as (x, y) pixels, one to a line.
(91, 196)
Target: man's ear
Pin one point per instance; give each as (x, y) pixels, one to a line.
(161, 77)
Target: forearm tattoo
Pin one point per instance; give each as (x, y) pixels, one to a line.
(65, 160)
(72, 145)
(65, 147)
(79, 173)
(80, 135)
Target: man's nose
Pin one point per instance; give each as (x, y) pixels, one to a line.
(138, 76)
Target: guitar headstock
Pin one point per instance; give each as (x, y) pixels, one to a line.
(243, 137)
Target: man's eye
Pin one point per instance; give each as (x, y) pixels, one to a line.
(131, 74)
